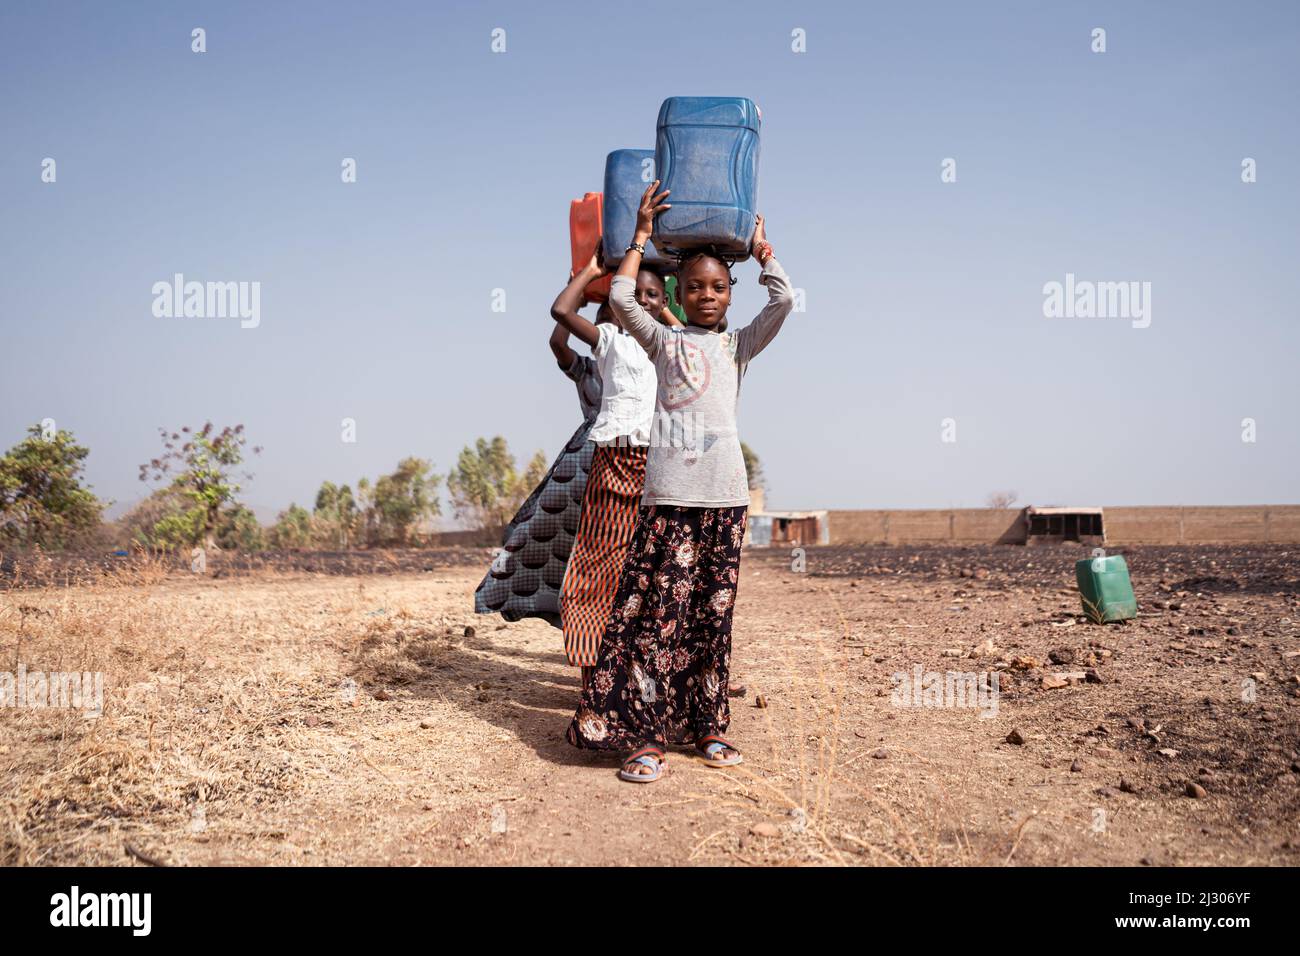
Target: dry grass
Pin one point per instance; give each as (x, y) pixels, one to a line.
(806, 790)
(199, 686)
(296, 719)
(213, 688)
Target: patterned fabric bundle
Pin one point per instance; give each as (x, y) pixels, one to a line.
(526, 574)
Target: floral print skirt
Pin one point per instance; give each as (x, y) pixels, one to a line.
(662, 672)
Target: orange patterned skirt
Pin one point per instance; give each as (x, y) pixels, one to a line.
(609, 513)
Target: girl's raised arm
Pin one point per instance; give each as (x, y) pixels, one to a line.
(755, 337)
(567, 303)
(622, 293)
(564, 355)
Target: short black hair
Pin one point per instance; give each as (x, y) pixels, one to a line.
(655, 271)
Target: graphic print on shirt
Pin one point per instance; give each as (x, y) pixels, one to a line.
(686, 375)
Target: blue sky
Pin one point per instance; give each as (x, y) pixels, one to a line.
(924, 298)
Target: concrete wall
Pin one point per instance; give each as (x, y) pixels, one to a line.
(1248, 524)
(1149, 525)
(957, 526)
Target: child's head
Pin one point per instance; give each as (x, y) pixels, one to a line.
(704, 290)
(650, 293)
(604, 313)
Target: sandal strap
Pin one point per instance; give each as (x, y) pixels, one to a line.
(703, 743)
(645, 752)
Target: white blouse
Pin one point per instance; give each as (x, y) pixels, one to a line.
(627, 402)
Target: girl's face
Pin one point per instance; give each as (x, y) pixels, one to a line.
(650, 292)
(604, 313)
(704, 291)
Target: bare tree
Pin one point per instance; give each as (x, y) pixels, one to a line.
(1001, 499)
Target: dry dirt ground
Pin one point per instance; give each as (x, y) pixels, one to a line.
(296, 718)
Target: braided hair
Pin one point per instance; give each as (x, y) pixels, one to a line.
(686, 259)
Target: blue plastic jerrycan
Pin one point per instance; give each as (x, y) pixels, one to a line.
(627, 174)
(706, 153)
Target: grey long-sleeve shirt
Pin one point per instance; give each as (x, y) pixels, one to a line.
(694, 459)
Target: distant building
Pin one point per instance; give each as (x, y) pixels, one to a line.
(1054, 525)
(1116, 525)
(776, 529)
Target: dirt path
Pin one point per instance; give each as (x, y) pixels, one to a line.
(354, 720)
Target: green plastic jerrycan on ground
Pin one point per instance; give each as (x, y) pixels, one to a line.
(1105, 588)
(670, 287)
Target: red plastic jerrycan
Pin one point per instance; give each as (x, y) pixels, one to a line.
(586, 217)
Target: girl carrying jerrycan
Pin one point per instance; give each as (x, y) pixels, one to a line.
(616, 478)
(662, 673)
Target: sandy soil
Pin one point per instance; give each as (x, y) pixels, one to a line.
(307, 719)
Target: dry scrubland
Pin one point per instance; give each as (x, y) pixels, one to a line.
(353, 710)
